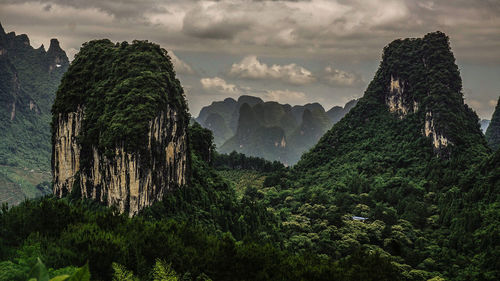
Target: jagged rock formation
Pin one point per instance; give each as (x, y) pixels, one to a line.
(493, 132)
(268, 129)
(127, 145)
(28, 81)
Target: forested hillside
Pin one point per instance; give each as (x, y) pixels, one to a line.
(407, 174)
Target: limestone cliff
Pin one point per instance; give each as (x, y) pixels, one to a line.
(119, 180)
(129, 150)
(420, 84)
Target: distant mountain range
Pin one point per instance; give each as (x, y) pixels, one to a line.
(270, 130)
(29, 78)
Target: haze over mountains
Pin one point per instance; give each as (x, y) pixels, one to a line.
(269, 130)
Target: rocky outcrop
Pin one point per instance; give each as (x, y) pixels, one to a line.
(398, 100)
(66, 152)
(128, 180)
(438, 140)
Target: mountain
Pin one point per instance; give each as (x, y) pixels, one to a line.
(484, 123)
(119, 130)
(270, 130)
(493, 131)
(228, 111)
(395, 175)
(337, 112)
(29, 78)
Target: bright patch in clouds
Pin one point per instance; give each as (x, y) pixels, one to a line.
(250, 67)
(285, 96)
(219, 85)
(179, 65)
(340, 78)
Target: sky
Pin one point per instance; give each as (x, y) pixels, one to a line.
(292, 52)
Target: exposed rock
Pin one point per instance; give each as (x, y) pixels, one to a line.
(438, 140)
(119, 180)
(398, 101)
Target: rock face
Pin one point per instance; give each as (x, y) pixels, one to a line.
(109, 166)
(119, 180)
(399, 101)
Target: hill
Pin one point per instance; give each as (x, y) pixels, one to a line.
(394, 174)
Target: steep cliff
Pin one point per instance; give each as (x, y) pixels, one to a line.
(28, 82)
(119, 131)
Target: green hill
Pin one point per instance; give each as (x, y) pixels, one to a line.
(394, 174)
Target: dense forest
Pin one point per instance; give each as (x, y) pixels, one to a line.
(404, 187)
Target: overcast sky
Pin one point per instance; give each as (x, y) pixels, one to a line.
(290, 51)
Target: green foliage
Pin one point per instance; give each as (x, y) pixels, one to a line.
(39, 273)
(201, 142)
(122, 274)
(239, 161)
(164, 272)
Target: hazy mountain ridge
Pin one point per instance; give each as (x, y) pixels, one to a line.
(270, 130)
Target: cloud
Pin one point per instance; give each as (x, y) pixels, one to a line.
(116, 8)
(220, 85)
(492, 103)
(180, 66)
(250, 67)
(208, 22)
(285, 96)
(340, 78)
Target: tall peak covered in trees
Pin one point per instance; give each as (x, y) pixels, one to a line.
(418, 89)
(120, 126)
(403, 157)
(493, 131)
